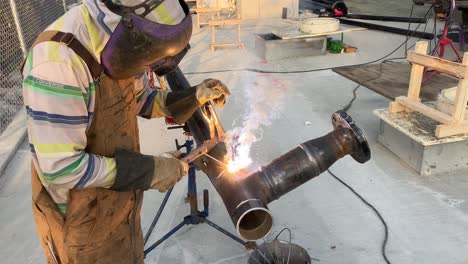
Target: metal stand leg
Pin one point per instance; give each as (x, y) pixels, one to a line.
(158, 215)
(195, 217)
(227, 233)
(166, 236)
(461, 37)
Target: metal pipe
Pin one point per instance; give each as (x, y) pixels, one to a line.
(295, 168)
(246, 196)
(419, 20)
(204, 125)
(400, 31)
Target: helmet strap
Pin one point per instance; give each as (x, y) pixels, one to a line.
(148, 6)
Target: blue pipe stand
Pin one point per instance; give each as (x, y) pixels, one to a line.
(195, 217)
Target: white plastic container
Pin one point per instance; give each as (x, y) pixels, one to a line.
(320, 25)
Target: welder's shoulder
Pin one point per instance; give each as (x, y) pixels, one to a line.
(54, 53)
(49, 55)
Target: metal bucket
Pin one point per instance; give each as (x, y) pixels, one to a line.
(279, 252)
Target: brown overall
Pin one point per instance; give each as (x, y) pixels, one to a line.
(101, 225)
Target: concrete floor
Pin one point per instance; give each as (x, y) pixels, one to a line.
(427, 217)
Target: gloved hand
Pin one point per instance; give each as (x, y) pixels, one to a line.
(169, 169)
(136, 171)
(212, 89)
(182, 104)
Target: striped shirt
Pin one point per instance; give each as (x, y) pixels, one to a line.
(59, 94)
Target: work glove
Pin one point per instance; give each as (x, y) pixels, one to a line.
(169, 169)
(182, 104)
(136, 171)
(212, 90)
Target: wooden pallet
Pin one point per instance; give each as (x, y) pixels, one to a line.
(451, 124)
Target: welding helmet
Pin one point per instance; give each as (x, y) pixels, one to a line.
(139, 43)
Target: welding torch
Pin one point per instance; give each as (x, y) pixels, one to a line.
(202, 150)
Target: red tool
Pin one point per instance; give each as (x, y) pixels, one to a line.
(439, 51)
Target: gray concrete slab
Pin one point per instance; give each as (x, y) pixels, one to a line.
(411, 136)
(427, 217)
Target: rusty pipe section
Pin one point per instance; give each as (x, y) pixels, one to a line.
(310, 159)
(246, 195)
(292, 169)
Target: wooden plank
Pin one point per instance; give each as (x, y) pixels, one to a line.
(297, 34)
(449, 67)
(461, 98)
(424, 109)
(460, 102)
(224, 22)
(394, 80)
(451, 130)
(395, 107)
(417, 73)
(213, 38)
(416, 126)
(228, 44)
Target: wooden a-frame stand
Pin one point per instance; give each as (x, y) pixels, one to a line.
(451, 124)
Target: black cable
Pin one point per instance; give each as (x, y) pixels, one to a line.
(350, 103)
(385, 240)
(409, 27)
(435, 28)
(346, 108)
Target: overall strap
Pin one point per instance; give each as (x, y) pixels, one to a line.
(70, 41)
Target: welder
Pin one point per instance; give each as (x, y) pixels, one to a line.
(85, 83)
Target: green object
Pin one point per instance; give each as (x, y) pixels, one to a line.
(335, 46)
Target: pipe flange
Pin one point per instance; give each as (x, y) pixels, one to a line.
(341, 119)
